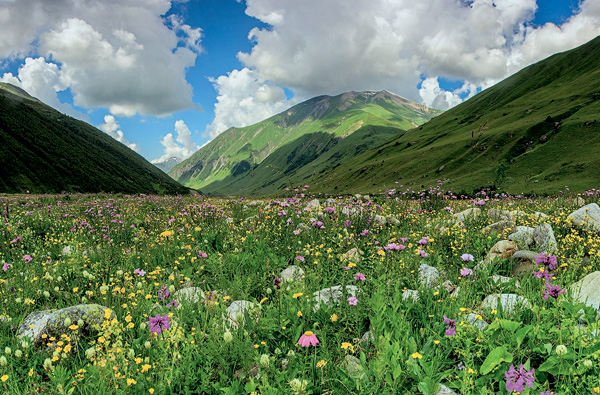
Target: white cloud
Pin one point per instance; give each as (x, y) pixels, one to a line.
(316, 47)
(243, 99)
(112, 128)
(181, 147)
(116, 54)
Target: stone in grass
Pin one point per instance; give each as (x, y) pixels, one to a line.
(394, 221)
(354, 367)
(367, 339)
(499, 227)
(579, 201)
(587, 217)
(52, 323)
(471, 213)
(476, 321)
(410, 294)
(510, 302)
(496, 279)
(445, 391)
(379, 220)
(333, 295)
(292, 273)
(353, 255)
(191, 295)
(523, 236)
(499, 215)
(428, 275)
(313, 205)
(235, 313)
(502, 249)
(586, 290)
(544, 239)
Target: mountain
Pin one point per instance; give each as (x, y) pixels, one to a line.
(307, 139)
(540, 131)
(44, 151)
(168, 164)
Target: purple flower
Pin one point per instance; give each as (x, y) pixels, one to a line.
(465, 272)
(27, 258)
(296, 232)
(164, 292)
(330, 210)
(158, 324)
(553, 290)
(360, 277)
(139, 272)
(547, 260)
(423, 241)
(201, 254)
(6, 266)
(466, 257)
(450, 326)
(347, 223)
(300, 258)
(394, 246)
(515, 379)
(422, 253)
(352, 301)
(276, 282)
(16, 240)
(173, 304)
(364, 232)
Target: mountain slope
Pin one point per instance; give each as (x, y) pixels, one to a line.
(306, 139)
(44, 151)
(540, 131)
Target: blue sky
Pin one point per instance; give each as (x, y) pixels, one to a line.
(181, 72)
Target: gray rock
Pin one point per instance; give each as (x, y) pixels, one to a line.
(579, 201)
(496, 279)
(448, 286)
(394, 221)
(330, 202)
(499, 227)
(235, 313)
(380, 220)
(523, 236)
(517, 213)
(540, 215)
(313, 205)
(544, 239)
(354, 367)
(367, 339)
(476, 321)
(586, 290)
(191, 295)
(292, 273)
(350, 211)
(333, 295)
(470, 213)
(587, 217)
(353, 255)
(52, 323)
(410, 294)
(428, 275)
(445, 391)
(228, 220)
(500, 215)
(510, 302)
(502, 249)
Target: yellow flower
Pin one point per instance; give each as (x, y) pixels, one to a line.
(4, 378)
(263, 300)
(145, 368)
(351, 264)
(347, 346)
(166, 233)
(131, 381)
(73, 327)
(381, 252)
(299, 314)
(436, 341)
(151, 390)
(296, 296)
(321, 363)
(416, 355)
(333, 318)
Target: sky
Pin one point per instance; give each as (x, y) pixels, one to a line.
(166, 77)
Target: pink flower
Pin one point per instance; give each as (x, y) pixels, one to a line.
(6, 266)
(465, 272)
(466, 257)
(139, 272)
(27, 258)
(423, 241)
(352, 301)
(360, 277)
(422, 253)
(308, 339)
(300, 258)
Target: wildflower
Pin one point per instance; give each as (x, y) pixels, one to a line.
(227, 337)
(276, 282)
(466, 257)
(422, 253)
(450, 326)
(321, 363)
(27, 258)
(158, 324)
(465, 272)
(561, 350)
(416, 355)
(300, 258)
(346, 346)
(360, 277)
(333, 318)
(16, 240)
(297, 295)
(264, 361)
(173, 304)
(3, 361)
(515, 379)
(201, 254)
(553, 290)
(139, 272)
(6, 266)
(352, 301)
(423, 241)
(4, 378)
(164, 293)
(394, 247)
(297, 386)
(308, 339)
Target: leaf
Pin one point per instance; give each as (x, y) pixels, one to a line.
(549, 364)
(428, 386)
(521, 333)
(494, 358)
(397, 372)
(510, 325)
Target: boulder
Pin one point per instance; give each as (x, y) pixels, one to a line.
(330, 202)
(510, 302)
(354, 367)
(476, 321)
(502, 249)
(496, 279)
(394, 221)
(191, 295)
(499, 227)
(445, 391)
(428, 275)
(544, 239)
(353, 255)
(235, 313)
(367, 339)
(587, 217)
(379, 220)
(517, 213)
(470, 213)
(579, 201)
(333, 295)
(52, 323)
(523, 236)
(500, 215)
(292, 273)
(410, 294)
(313, 205)
(586, 290)
(540, 215)
(525, 262)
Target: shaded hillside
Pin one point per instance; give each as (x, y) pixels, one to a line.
(540, 131)
(44, 151)
(308, 138)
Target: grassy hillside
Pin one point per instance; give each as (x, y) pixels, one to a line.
(44, 151)
(540, 131)
(308, 139)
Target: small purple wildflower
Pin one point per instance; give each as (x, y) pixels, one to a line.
(276, 282)
(173, 304)
(16, 240)
(466, 257)
(300, 258)
(139, 272)
(423, 241)
(394, 247)
(553, 290)
(450, 326)
(515, 379)
(465, 272)
(360, 277)
(201, 254)
(352, 301)
(157, 324)
(6, 266)
(27, 258)
(164, 292)
(348, 223)
(422, 253)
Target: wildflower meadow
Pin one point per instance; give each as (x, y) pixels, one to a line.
(404, 292)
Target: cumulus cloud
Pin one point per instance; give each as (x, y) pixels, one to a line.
(181, 147)
(244, 99)
(116, 54)
(319, 47)
(112, 128)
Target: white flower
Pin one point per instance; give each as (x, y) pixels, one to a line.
(561, 350)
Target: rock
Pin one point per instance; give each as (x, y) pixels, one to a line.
(523, 236)
(394, 221)
(525, 256)
(502, 249)
(429, 275)
(540, 215)
(66, 251)
(442, 167)
(367, 339)
(353, 255)
(510, 302)
(587, 217)
(52, 323)
(330, 202)
(410, 294)
(235, 312)
(499, 215)
(292, 273)
(357, 196)
(499, 227)
(253, 217)
(517, 213)
(470, 213)
(253, 373)
(476, 321)
(313, 205)
(496, 279)
(579, 201)
(586, 290)
(445, 391)
(380, 220)
(332, 295)
(544, 239)
(228, 220)
(353, 366)
(525, 263)
(350, 211)
(191, 295)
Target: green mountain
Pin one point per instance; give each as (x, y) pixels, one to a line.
(534, 132)
(44, 151)
(308, 139)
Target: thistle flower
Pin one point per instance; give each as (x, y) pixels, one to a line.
(360, 277)
(553, 290)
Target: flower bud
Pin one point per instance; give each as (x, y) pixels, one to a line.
(147, 345)
(227, 337)
(587, 363)
(3, 361)
(561, 350)
(68, 322)
(47, 363)
(90, 352)
(264, 361)
(18, 353)
(131, 353)
(7, 351)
